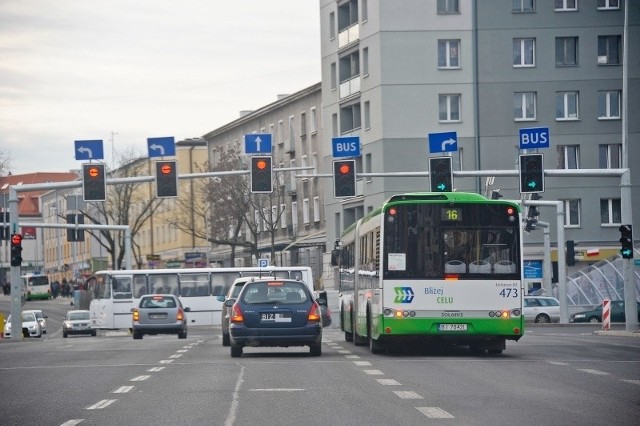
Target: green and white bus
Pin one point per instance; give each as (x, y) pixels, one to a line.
(35, 286)
(433, 268)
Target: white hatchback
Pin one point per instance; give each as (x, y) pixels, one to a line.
(30, 325)
(42, 319)
(541, 309)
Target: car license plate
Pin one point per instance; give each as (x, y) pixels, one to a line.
(452, 327)
(157, 316)
(275, 317)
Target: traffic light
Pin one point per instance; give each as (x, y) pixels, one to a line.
(441, 174)
(75, 234)
(571, 252)
(261, 175)
(166, 179)
(344, 178)
(16, 250)
(531, 173)
(94, 184)
(626, 241)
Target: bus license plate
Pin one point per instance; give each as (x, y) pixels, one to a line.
(452, 327)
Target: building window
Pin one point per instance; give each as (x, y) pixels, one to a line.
(448, 6)
(566, 51)
(568, 156)
(524, 6)
(294, 214)
(334, 76)
(367, 115)
(608, 4)
(334, 125)
(566, 106)
(610, 211)
(610, 156)
(524, 106)
(303, 124)
(448, 54)
(609, 104)
(609, 48)
(566, 5)
(305, 211)
(524, 52)
(283, 216)
(365, 61)
(314, 120)
(449, 107)
(280, 132)
(316, 209)
(350, 118)
(364, 10)
(571, 213)
(332, 25)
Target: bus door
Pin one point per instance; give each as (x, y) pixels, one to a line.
(121, 291)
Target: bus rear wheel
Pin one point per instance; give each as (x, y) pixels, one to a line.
(348, 335)
(375, 347)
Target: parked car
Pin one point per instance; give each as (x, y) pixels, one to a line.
(233, 293)
(159, 314)
(41, 317)
(30, 325)
(279, 312)
(595, 314)
(541, 309)
(77, 322)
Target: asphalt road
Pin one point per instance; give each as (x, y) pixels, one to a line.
(554, 375)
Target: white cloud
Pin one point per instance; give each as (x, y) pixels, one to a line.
(72, 69)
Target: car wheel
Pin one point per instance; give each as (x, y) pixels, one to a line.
(137, 335)
(93, 333)
(64, 334)
(226, 340)
(594, 319)
(236, 351)
(316, 349)
(543, 319)
(182, 334)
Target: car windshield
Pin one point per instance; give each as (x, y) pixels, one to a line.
(286, 292)
(28, 316)
(78, 315)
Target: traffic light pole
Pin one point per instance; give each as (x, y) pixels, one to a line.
(16, 291)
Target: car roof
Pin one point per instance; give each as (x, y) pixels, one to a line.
(243, 280)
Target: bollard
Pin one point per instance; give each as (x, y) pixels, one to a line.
(606, 314)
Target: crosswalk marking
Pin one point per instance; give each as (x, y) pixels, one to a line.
(407, 395)
(140, 378)
(388, 382)
(374, 372)
(591, 371)
(123, 389)
(434, 412)
(101, 404)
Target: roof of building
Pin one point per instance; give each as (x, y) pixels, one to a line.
(28, 203)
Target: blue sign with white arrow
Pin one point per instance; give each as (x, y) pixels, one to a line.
(346, 146)
(161, 147)
(257, 143)
(443, 142)
(89, 150)
(534, 137)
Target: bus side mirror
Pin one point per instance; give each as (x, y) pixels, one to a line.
(335, 257)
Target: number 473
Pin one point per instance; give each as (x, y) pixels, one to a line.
(509, 292)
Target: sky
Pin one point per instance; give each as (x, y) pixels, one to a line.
(126, 70)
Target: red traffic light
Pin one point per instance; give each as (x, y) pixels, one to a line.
(166, 169)
(94, 172)
(261, 164)
(345, 168)
(16, 239)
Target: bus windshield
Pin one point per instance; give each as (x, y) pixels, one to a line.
(438, 240)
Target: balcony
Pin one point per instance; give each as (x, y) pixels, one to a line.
(349, 35)
(350, 87)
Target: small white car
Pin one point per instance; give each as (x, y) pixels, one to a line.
(541, 309)
(77, 322)
(41, 317)
(30, 325)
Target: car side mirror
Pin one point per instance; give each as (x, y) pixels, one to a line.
(220, 298)
(321, 301)
(229, 303)
(187, 309)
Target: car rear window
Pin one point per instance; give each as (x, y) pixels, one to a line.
(283, 292)
(158, 302)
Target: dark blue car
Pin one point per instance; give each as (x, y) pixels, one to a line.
(275, 313)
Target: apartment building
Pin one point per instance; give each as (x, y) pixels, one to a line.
(395, 71)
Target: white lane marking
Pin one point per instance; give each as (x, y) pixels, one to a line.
(140, 378)
(277, 390)
(434, 412)
(634, 382)
(166, 361)
(181, 351)
(388, 382)
(72, 422)
(344, 351)
(361, 363)
(123, 389)
(156, 369)
(596, 372)
(174, 356)
(407, 395)
(374, 372)
(352, 356)
(557, 363)
(101, 404)
(231, 417)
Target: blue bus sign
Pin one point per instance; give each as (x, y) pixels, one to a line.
(534, 137)
(89, 150)
(443, 142)
(257, 143)
(346, 146)
(161, 147)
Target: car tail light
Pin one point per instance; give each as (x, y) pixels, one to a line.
(236, 314)
(180, 314)
(136, 315)
(314, 313)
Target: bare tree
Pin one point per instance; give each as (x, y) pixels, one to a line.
(5, 162)
(127, 204)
